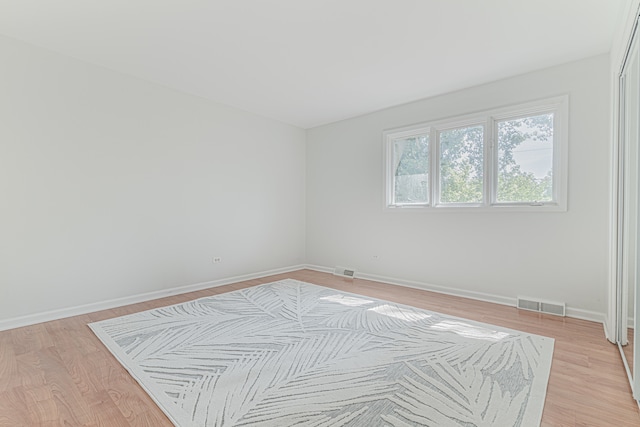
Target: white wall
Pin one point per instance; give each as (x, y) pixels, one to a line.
(111, 186)
(556, 256)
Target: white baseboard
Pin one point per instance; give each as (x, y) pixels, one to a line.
(592, 316)
(480, 296)
(32, 319)
(48, 316)
(320, 268)
(576, 313)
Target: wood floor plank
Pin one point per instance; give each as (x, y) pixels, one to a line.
(106, 413)
(29, 371)
(8, 364)
(59, 374)
(31, 338)
(14, 409)
(72, 407)
(41, 403)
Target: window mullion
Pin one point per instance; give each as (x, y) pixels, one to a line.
(434, 167)
(391, 196)
(491, 184)
(557, 156)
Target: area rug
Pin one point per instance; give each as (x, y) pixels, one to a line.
(292, 353)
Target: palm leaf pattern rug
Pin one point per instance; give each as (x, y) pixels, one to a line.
(292, 353)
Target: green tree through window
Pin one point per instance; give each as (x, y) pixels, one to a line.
(462, 165)
(508, 157)
(412, 170)
(517, 183)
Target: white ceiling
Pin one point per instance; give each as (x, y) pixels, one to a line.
(310, 62)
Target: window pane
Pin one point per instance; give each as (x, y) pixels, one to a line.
(411, 170)
(525, 159)
(461, 165)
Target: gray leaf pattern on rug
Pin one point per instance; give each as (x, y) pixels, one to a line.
(292, 353)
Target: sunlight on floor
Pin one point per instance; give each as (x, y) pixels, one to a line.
(347, 300)
(469, 331)
(400, 313)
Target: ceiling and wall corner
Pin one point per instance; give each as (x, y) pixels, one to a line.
(309, 63)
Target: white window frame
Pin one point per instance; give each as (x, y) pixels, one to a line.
(405, 133)
(470, 121)
(489, 119)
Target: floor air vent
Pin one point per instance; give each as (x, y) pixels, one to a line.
(557, 308)
(344, 272)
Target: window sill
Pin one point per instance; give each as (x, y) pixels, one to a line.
(503, 208)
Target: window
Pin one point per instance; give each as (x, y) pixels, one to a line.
(510, 158)
(461, 165)
(411, 157)
(525, 159)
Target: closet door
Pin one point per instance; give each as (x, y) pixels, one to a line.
(629, 218)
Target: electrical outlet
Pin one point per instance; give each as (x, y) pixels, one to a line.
(216, 259)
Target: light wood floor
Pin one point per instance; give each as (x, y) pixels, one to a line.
(59, 374)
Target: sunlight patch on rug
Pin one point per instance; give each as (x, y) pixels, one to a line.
(293, 353)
